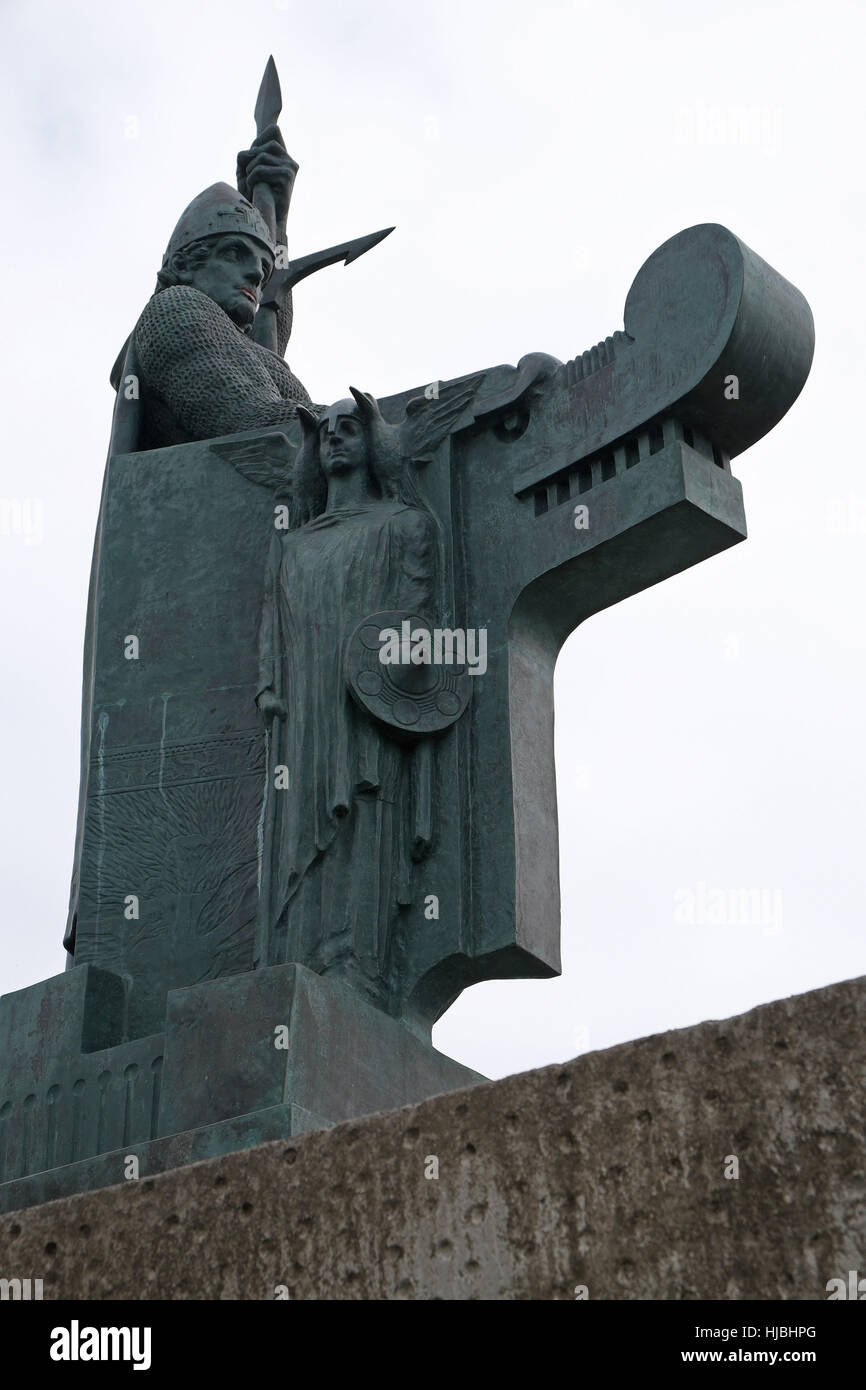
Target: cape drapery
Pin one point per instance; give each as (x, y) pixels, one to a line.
(355, 811)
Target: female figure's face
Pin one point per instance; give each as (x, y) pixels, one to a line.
(342, 446)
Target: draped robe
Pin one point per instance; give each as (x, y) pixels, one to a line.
(356, 810)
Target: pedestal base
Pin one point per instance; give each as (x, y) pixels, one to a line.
(254, 1057)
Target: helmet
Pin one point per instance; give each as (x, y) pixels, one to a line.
(216, 211)
(339, 409)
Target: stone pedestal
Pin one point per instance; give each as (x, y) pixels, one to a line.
(610, 1174)
(263, 1055)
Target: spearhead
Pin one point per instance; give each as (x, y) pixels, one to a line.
(282, 280)
(269, 102)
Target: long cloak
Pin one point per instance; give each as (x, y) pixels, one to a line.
(356, 808)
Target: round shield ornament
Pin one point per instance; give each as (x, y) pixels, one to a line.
(408, 674)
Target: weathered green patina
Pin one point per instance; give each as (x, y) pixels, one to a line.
(293, 853)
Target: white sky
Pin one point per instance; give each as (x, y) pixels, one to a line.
(709, 731)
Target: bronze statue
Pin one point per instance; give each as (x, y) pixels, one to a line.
(294, 850)
(355, 810)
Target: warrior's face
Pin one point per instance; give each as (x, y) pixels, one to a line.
(233, 276)
(342, 443)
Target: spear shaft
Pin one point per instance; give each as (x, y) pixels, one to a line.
(269, 104)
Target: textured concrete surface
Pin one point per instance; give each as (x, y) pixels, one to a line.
(608, 1172)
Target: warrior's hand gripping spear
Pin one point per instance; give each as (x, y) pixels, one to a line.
(266, 175)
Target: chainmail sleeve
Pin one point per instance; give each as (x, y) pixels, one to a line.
(210, 377)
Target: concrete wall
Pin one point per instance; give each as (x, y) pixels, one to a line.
(608, 1172)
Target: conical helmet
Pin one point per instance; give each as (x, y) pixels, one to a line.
(218, 210)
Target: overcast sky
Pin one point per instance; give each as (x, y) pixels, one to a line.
(709, 731)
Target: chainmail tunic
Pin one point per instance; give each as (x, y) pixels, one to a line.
(202, 377)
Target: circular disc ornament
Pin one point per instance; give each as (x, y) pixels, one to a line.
(406, 673)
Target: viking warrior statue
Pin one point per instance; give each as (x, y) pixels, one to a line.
(205, 359)
(199, 356)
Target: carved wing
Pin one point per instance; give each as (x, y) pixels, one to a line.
(265, 459)
(429, 418)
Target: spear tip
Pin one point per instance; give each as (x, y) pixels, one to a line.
(269, 102)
